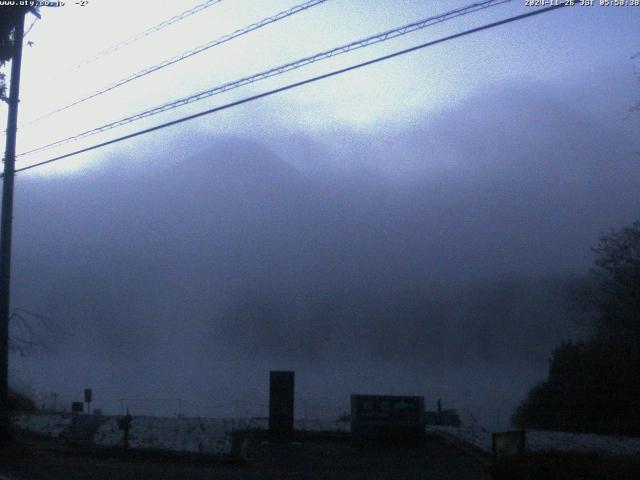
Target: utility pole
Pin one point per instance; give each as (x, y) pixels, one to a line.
(6, 224)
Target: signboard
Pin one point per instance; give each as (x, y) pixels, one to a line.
(387, 418)
(87, 395)
(387, 409)
(77, 407)
(281, 403)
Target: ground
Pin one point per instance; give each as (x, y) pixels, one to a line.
(37, 459)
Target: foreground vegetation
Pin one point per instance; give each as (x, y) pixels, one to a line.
(594, 386)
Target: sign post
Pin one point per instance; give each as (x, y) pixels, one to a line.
(88, 394)
(281, 400)
(77, 407)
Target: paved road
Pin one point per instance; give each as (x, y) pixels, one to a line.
(310, 460)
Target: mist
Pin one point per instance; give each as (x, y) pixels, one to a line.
(434, 258)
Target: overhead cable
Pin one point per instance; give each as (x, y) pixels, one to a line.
(380, 37)
(149, 31)
(184, 55)
(296, 85)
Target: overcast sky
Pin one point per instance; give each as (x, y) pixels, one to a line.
(412, 227)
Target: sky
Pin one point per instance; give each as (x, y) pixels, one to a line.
(412, 227)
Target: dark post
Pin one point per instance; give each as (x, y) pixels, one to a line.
(88, 393)
(124, 423)
(281, 404)
(6, 224)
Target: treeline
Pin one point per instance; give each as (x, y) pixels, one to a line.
(20, 403)
(594, 386)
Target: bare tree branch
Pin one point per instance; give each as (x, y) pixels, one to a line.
(31, 332)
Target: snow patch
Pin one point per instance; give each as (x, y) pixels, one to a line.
(52, 425)
(197, 435)
(539, 440)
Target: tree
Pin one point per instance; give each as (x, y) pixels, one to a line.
(618, 283)
(32, 332)
(594, 386)
(8, 18)
(591, 387)
(21, 403)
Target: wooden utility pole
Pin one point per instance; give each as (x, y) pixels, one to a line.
(6, 224)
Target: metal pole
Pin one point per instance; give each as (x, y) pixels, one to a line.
(6, 224)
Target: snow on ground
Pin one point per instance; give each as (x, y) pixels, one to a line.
(539, 440)
(472, 434)
(321, 426)
(53, 424)
(199, 435)
(213, 436)
(608, 444)
(262, 423)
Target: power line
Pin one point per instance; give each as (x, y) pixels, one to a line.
(380, 37)
(189, 53)
(298, 84)
(149, 31)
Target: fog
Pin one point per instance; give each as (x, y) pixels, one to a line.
(437, 257)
